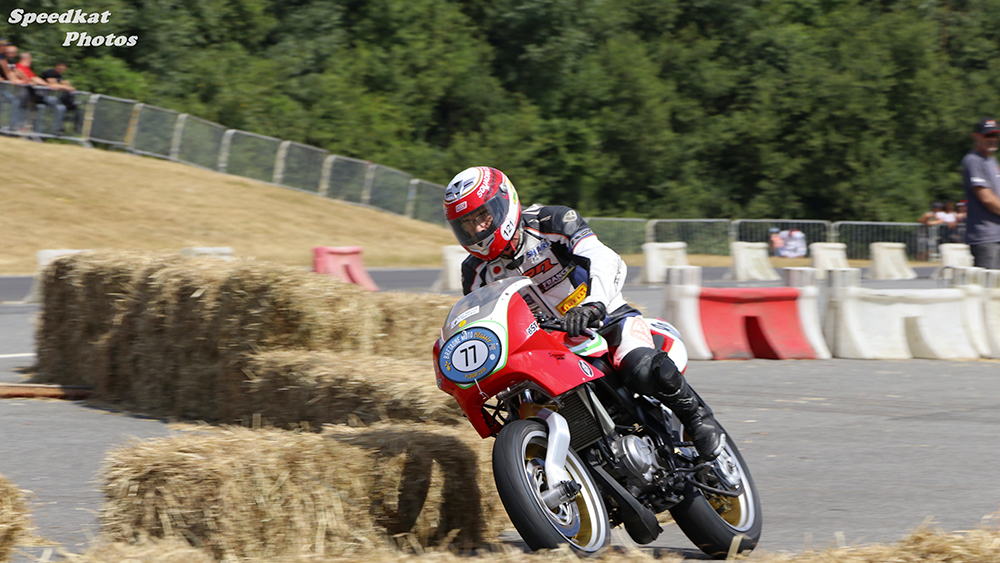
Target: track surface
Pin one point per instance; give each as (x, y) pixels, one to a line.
(842, 450)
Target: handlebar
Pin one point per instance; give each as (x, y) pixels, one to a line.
(552, 323)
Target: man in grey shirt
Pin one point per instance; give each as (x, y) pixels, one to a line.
(981, 176)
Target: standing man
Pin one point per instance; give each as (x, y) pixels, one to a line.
(981, 176)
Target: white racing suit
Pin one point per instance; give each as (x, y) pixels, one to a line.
(571, 267)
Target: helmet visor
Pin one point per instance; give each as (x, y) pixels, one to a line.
(478, 224)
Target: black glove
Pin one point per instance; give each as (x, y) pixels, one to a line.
(580, 317)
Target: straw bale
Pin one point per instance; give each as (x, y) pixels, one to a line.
(288, 387)
(14, 519)
(432, 481)
(86, 316)
(147, 551)
(242, 493)
(410, 323)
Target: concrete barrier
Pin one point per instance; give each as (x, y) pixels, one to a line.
(827, 256)
(451, 274)
(751, 262)
(45, 257)
(682, 295)
(982, 309)
(893, 324)
(889, 262)
(343, 262)
(808, 306)
(220, 252)
(953, 255)
(659, 255)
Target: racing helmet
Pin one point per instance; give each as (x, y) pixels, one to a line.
(483, 210)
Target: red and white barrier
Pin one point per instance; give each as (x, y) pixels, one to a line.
(343, 262)
(889, 262)
(892, 324)
(751, 262)
(682, 310)
(659, 255)
(809, 312)
(739, 323)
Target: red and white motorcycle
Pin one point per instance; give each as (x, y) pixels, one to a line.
(576, 453)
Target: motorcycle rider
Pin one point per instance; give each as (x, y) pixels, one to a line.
(578, 276)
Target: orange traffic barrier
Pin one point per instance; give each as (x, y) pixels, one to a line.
(763, 322)
(343, 262)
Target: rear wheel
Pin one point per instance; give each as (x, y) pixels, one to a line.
(519, 470)
(713, 521)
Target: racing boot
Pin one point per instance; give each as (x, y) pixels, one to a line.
(699, 422)
(652, 372)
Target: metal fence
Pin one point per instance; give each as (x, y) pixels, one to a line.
(41, 113)
(921, 240)
(148, 130)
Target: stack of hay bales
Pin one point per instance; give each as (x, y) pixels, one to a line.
(270, 493)
(14, 520)
(194, 338)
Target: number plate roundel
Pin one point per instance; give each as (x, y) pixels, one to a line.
(470, 355)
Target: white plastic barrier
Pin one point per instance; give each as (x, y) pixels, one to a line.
(45, 257)
(220, 252)
(451, 275)
(982, 309)
(828, 256)
(889, 262)
(808, 305)
(895, 324)
(953, 255)
(659, 255)
(683, 309)
(750, 262)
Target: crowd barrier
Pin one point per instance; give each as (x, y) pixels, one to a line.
(751, 262)
(658, 256)
(889, 262)
(982, 308)
(889, 324)
(741, 323)
(451, 274)
(953, 255)
(827, 256)
(343, 262)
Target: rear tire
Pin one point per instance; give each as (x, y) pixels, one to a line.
(713, 521)
(519, 471)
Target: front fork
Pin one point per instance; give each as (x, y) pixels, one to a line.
(562, 488)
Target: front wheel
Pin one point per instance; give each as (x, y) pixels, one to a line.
(714, 522)
(519, 471)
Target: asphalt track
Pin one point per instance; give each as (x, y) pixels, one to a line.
(843, 451)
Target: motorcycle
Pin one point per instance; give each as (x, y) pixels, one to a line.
(576, 453)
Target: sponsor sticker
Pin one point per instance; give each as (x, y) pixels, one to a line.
(465, 315)
(570, 216)
(573, 300)
(461, 206)
(470, 355)
(532, 328)
(587, 370)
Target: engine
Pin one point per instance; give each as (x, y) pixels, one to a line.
(637, 457)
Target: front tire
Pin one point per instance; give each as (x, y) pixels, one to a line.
(713, 521)
(519, 471)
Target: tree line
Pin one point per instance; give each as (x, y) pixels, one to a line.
(809, 109)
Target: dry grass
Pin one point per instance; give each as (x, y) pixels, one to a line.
(922, 546)
(238, 493)
(101, 199)
(15, 522)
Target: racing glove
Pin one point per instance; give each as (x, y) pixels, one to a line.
(580, 317)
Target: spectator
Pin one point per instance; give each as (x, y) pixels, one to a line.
(927, 239)
(8, 56)
(981, 176)
(795, 244)
(777, 243)
(54, 78)
(949, 223)
(27, 75)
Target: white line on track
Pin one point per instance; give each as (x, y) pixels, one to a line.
(26, 355)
